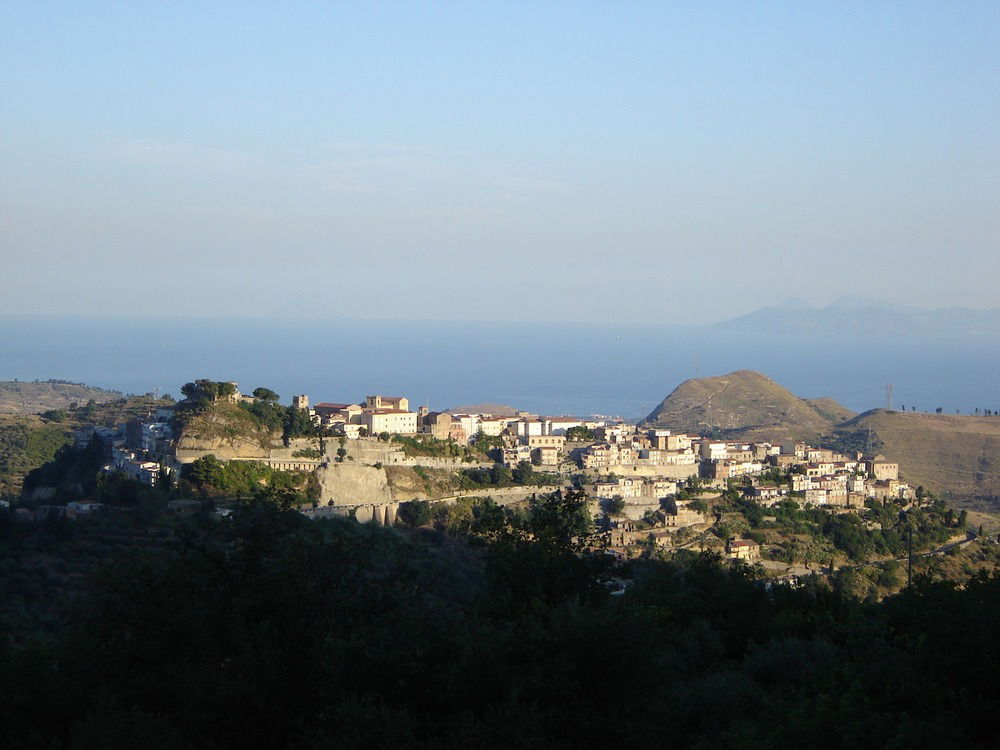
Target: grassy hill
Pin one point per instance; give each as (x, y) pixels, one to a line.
(17, 397)
(943, 452)
(746, 404)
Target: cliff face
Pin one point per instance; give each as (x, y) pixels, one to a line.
(352, 483)
(745, 404)
(228, 432)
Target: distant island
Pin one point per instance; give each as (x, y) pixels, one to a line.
(853, 316)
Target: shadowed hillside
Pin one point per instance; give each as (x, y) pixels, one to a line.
(746, 403)
(27, 441)
(943, 452)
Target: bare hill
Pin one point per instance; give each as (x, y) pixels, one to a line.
(943, 452)
(746, 404)
(17, 397)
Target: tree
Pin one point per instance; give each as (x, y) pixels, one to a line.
(297, 423)
(265, 394)
(414, 512)
(699, 505)
(616, 505)
(524, 473)
(207, 472)
(560, 519)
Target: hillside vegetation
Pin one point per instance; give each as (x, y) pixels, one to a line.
(746, 404)
(269, 630)
(28, 441)
(17, 397)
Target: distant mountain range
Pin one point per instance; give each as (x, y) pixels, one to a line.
(859, 316)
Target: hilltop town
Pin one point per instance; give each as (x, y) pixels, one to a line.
(372, 460)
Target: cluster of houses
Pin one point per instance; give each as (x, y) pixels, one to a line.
(821, 476)
(632, 474)
(140, 448)
(526, 436)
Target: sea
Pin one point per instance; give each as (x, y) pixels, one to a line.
(579, 369)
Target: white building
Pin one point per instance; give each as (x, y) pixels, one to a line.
(393, 421)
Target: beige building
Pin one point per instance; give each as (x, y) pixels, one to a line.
(332, 413)
(513, 456)
(442, 426)
(493, 426)
(713, 451)
(668, 458)
(387, 402)
(601, 455)
(659, 487)
(614, 433)
(624, 488)
(545, 441)
(743, 549)
(880, 469)
(546, 455)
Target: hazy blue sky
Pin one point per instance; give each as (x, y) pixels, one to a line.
(610, 161)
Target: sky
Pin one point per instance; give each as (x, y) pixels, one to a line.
(664, 162)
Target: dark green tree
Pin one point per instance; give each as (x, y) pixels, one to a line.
(265, 394)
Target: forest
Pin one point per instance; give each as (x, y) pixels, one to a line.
(267, 629)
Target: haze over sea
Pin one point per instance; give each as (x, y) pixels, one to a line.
(556, 368)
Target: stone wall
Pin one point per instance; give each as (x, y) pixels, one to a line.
(637, 470)
(372, 451)
(502, 495)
